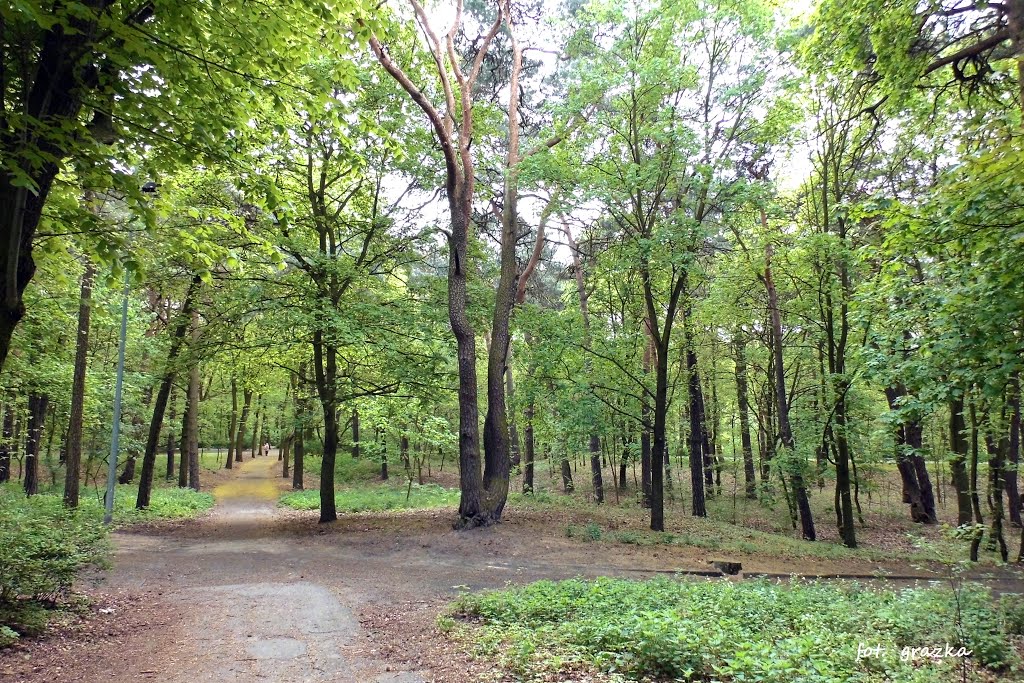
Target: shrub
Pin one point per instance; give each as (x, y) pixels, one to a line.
(751, 631)
(42, 546)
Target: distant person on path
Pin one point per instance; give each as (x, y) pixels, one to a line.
(266, 448)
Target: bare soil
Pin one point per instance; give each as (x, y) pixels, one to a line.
(253, 592)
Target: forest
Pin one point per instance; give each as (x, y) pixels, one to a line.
(677, 283)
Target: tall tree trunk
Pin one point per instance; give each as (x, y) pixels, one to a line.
(242, 419)
(52, 93)
(697, 424)
(232, 424)
(529, 457)
(73, 459)
(958, 463)
(299, 431)
(160, 405)
(192, 409)
(645, 429)
(1013, 498)
(257, 425)
(7, 441)
(581, 291)
(996, 464)
(355, 433)
(37, 404)
(740, 357)
(172, 401)
(782, 412)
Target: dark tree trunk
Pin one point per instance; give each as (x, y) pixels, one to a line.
(958, 463)
(355, 433)
(645, 430)
(740, 357)
(232, 425)
(325, 369)
(567, 484)
(529, 456)
(183, 446)
(192, 411)
(73, 458)
(37, 404)
(996, 465)
(382, 439)
(52, 94)
(160, 405)
(1013, 498)
(169, 476)
(7, 442)
(298, 433)
(242, 419)
(908, 446)
(403, 451)
(785, 432)
(696, 411)
(257, 422)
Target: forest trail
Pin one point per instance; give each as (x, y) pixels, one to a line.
(246, 605)
(255, 592)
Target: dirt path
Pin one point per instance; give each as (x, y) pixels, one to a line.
(252, 592)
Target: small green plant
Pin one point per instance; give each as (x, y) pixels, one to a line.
(592, 532)
(8, 637)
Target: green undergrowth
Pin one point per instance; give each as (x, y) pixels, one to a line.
(43, 546)
(721, 536)
(754, 631)
(164, 503)
(377, 498)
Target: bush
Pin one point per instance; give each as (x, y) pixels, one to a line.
(42, 546)
(750, 631)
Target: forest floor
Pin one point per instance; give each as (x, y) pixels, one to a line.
(254, 592)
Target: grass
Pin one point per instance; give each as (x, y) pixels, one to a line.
(165, 502)
(755, 631)
(377, 498)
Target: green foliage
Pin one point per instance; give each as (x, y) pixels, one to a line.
(377, 499)
(750, 631)
(43, 546)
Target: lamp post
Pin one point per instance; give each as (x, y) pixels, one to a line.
(108, 501)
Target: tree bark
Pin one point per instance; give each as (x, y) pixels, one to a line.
(782, 413)
(242, 419)
(232, 424)
(355, 433)
(192, 409)
(299, 429)
(1013, 498)
(172, 400)
(958, 463)
(7, 442)
(740, 358)
(73, 458)
(37, 404)
(160, 405)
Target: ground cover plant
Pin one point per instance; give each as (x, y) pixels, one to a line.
(377, 498)
(797, 632)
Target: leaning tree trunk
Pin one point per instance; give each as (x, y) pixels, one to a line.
(160, 405)
(37, 404)
(73, 458)
(782, 412)
(169, 475)
(192, 410)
